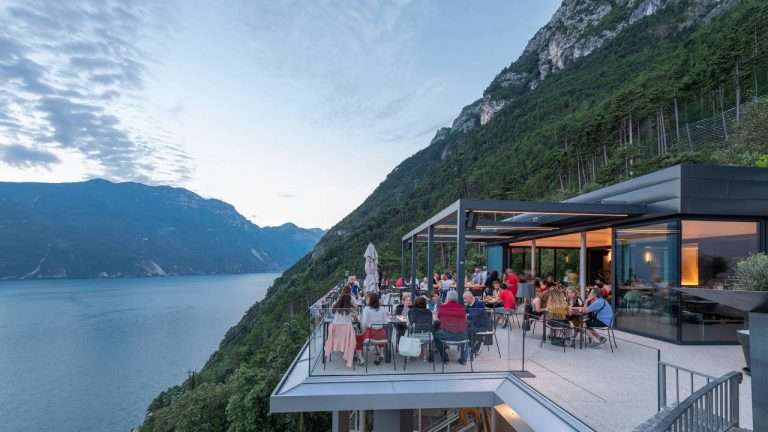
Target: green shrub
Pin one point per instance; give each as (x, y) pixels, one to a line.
(752, 273)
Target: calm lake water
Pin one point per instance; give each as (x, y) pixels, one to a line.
(90, 355)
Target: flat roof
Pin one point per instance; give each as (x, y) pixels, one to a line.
(680, 189)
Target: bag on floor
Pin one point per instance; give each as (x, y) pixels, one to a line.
(409, 347)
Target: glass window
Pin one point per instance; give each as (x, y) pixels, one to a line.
(709, 252)
(711, 249)
(647, 269)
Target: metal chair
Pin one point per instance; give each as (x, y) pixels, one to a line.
(611, 335)
(420, 327)
(557, 329)
(489, 323)
(464, 343)
(506, 314)
(368, 343)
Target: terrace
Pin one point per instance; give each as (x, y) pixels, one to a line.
(605, 390)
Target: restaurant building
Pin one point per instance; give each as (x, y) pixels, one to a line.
(644, 238)
(683, 226)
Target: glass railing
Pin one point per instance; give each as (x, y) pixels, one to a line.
(405, 339)
(569, 366)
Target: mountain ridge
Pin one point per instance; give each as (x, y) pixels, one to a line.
(99, 228)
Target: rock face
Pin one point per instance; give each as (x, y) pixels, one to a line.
(103, 229)
(577, 29)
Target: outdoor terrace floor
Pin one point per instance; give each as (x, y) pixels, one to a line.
(608, 391)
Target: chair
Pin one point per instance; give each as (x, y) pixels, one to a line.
(557, 329)
(506, 314)
(464, 343)
(420, 327)
(531, 318)
(368, 343)
(609, 333)
(488, 328)
(341, 338)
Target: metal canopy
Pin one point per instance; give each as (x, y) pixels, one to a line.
(500, 219)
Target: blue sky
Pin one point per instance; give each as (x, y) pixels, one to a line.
(289, 110)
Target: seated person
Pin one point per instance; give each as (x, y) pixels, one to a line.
(343, 310)
(573, 297)
(601, 315)
(557, 308)
(434, 303)
(373, 314)
(453, 325)
(403, 309)
(405, 305)
(477, 317)
(420, 320)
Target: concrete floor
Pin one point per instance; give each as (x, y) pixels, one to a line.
(609, 391)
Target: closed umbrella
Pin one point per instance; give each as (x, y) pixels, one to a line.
(371, 282)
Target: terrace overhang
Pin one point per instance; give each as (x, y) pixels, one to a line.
(496, 220)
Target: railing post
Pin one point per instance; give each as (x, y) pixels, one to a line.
(662, 383)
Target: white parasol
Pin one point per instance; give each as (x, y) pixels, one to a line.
(371, 283)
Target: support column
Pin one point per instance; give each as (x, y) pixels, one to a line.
(583, 264)
(386, 421)
(430, 264)
(461, 225)
(335, 424)
(758, 346)
(533, 259)
(402, 259)
(413, 267)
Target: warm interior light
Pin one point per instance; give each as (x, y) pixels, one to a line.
(690, 265)
(610, 255)
(648, 256)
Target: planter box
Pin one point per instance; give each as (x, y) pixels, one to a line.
(743, 336)
(746, 301)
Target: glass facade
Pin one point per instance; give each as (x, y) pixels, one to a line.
(650, 262)
(709, 253)
(646, 271)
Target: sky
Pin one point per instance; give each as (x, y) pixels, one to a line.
(292, 111)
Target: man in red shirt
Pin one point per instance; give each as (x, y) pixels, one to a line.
(511, 280)
(453, 325)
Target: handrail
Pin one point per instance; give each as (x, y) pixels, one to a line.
(712, 408)
(662, 382)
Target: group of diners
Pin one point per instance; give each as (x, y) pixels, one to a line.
(447, 318)
(442, 316)
(562, 307)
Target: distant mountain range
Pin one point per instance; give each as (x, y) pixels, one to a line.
(102, 229)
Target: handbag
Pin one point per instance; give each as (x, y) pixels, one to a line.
(409, 347)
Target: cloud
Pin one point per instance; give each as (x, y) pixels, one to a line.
(71, 77)
(20, 156)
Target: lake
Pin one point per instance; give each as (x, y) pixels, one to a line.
(90, 355)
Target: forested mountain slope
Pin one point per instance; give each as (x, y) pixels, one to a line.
(600, 79)
(102, 229)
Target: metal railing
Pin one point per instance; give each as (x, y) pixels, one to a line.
(714, 407)
(665, 368)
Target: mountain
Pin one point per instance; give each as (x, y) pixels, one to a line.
(102, 229)
(590, 102)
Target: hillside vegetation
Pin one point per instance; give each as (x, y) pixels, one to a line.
(518, 153)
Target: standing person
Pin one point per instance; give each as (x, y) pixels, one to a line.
(511, 281)
(484, 275)
(445, 285)
(477, 277)
(436, 280)
(494, 277)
